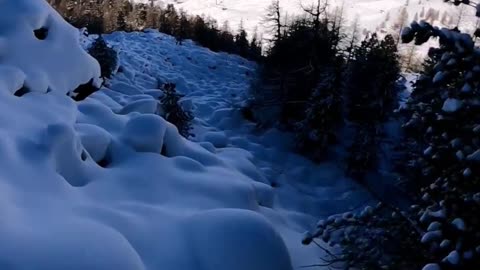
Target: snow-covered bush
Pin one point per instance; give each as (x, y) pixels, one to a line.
(174, 112)
(370, 94)
(370, 90)
(444, 113)
(377, 237)
(441, 231)
(323, 116)
(443, 118)
(106, 56)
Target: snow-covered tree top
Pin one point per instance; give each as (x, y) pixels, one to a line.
(42, 49)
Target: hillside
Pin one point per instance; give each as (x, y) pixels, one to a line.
(371, 13)
(107, 183)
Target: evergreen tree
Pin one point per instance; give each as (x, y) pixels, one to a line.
(323, 116)
(241, 42)
(106, 56)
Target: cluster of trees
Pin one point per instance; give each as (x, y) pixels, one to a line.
(104, 16)
(440, 231)
(317, 78)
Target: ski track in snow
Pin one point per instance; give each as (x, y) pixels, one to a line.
(215, 84)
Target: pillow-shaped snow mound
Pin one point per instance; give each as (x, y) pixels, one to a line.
(35, 40)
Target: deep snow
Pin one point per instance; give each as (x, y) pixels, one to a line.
(106, 183)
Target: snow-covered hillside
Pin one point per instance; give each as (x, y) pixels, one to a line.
(372, 14)
(106, 183)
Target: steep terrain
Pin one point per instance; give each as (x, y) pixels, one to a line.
(107, 183)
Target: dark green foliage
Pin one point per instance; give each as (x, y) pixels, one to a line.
(122, 15)
(168, 20)
(241, 41)
(444, 159)
(174, 113)
(106, 56)
(121, 22)
(93, 23)
(362, 154)
(376, 238)
(295, 63)
(183, 29)
(370, 87)
(443, 127)
(323, 116)
(370, 94)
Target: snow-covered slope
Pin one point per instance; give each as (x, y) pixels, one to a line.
(371, 13)
(106, 183)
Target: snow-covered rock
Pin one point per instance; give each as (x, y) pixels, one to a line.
(431, 266)
(475, 156)
(431, 236)
(452, 105)
(459, 224)
(453, 257)
(445, 243)
(42, 49)
(434, 226)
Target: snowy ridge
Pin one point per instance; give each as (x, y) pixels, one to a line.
(106, 183)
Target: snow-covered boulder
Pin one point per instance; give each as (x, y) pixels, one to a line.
(452, 105)
(42, 48)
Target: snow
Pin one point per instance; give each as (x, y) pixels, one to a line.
(445, 243)
(434, 226)
(459, 224)
(467, 172)
(106, 183)
(431, 266)
(452, 105)
(428, 151)
(61, 63)
(475, 156)
(439, 77)
(431, 236)
(453, 257)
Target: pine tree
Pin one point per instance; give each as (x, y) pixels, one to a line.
(241, 41)
(106, 56)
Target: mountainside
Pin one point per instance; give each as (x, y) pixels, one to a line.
(372, 14)
(108, 183)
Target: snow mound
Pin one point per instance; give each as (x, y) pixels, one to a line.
(41, 50)
(452, 105)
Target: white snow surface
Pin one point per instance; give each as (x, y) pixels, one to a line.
(231, 199)
(56, 63)
(452, 105)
